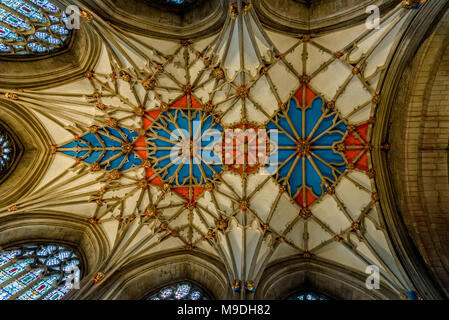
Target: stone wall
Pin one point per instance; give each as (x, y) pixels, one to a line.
(418, 159)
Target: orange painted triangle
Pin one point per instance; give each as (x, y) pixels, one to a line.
(310, 198)
(352, 154)
(182, 103)
(156, 181)
(152, 114)
(362, 164)
(141, 143)
(363, 131)
(184, 191)
(310, 95)
(352, 140)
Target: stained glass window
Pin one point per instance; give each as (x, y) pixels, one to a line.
(7, 152)
(308, 296)
(31, 27)
(180, 291)
(177, 3)
(38, 272)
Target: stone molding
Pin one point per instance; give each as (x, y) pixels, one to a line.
(140, 17)
(285, 277)
(296, 17)
(423, 22)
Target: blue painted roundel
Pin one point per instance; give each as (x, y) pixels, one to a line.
(184, 146)
(307, 161)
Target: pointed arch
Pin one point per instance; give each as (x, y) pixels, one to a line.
(282, 279)
(149, 274)
(32, 146)
(60, 228)
(419, 39)
(10, 152)
(79, 53)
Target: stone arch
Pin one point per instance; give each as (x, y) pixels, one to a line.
(194, 20)
(400, 123)
(54, 227)
(15, 153)
(284, 278)
(33, 142)
(419, 156)
(293, 16)
(146, 275)
(79, 55)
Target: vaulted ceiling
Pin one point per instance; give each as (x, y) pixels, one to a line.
(117, 137)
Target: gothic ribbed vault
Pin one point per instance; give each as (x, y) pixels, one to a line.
(236, 157)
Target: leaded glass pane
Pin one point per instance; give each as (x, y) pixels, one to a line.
(46, 22)
(32, 272)
(180, 291)
(7, 152)
(308, 296)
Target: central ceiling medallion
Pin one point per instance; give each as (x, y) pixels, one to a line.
(181, 145)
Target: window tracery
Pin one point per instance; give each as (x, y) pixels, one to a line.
(308, 296)
(31, 27)
(7, 152)
(38, 272)
(180, 291)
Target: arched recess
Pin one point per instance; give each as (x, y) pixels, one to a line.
(284, 278)
(15, 150)
(33, 142)
(143, 276)
(300, 16)
(390, 129)
(150, 18)
(79, 55)
(57, 227)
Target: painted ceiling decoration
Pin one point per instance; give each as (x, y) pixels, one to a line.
(31, 27)
(309, 133)
(127, 144)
